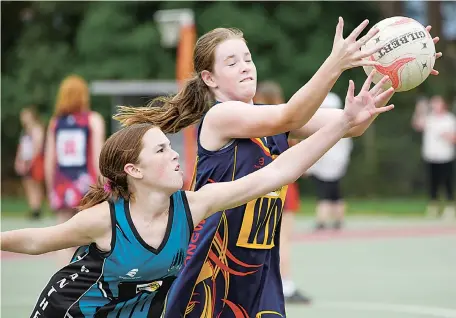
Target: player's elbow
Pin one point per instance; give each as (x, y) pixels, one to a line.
(288, 121)
(34, 252)
(295, 123)
(281, 176)
(34, 248)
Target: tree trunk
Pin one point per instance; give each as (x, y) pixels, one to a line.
(390, 8)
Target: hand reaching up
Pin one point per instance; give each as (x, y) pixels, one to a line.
(437, 55)
(361, 108)
(347, 51)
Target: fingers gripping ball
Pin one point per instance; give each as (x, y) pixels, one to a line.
(407, 53)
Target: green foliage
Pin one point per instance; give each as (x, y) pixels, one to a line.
(111, 44)
(119, 40)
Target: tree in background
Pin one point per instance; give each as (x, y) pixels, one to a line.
(42, 42)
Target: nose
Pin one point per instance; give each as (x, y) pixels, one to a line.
(245, 67)
(175, 155)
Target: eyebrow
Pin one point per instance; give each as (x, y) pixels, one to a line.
(233, 56)
(164, 144)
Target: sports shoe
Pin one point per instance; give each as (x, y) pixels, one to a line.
(298, 298)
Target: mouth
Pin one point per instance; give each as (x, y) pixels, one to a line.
(177, 168)
(247, 79)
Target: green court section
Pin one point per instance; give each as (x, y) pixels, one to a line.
(375, 268)
(380, 206)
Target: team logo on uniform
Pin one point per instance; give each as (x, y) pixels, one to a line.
(132, 273)
(149, 287)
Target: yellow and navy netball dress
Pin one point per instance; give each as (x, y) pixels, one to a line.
(232, 263)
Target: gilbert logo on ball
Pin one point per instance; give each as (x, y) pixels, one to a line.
(407, 55)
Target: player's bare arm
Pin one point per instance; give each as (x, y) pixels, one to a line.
(49, 156)
(91, 225)
(291, 164)
(236, 119)
(325, 115)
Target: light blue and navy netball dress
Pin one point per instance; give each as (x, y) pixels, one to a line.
(131, 280)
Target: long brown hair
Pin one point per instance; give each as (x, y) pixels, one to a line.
(73, 96)
(186, 108)
(121, 148)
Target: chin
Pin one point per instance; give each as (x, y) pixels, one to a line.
(251, 90)
(178, 184)
(173, 183)
(247, 94)
(172, 188)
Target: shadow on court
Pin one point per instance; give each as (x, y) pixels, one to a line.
(376, 267)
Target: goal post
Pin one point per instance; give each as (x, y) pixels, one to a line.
(177, 29)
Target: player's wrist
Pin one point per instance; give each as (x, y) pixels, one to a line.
(333, 65)
(346, 120)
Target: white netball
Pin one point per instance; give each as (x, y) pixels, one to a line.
(407, 55)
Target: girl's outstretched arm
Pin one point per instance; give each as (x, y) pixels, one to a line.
(291, 164)
(82, 229)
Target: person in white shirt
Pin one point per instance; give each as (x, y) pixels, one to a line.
(327, 173)
(438, 126)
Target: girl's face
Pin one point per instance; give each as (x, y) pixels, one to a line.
(26, 118)
(234, 75)
(158, 164)
(438, 105)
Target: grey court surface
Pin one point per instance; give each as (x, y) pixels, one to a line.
(376, 267)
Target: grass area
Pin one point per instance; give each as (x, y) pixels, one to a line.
(17, 207)
(377, 206)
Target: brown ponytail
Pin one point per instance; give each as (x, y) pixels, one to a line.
(94, 196)
(171, 114)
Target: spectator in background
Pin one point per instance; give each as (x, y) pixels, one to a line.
(73, 143)
(438, 126)
(326, 174)
(29, 159)
(270, 93)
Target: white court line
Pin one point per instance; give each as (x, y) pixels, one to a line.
(406, 309)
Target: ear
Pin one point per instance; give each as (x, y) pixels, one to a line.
(208, 79)
(133, 171)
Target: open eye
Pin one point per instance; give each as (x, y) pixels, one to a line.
(161, 150)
